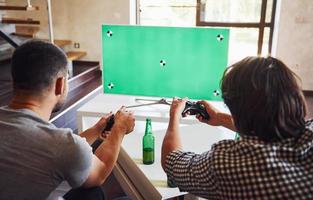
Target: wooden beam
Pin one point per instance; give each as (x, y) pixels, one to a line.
(233, 24)
(6, 20)
(62, 43)
(262, 25)
(198, 13)
(270, 42)
(19, 8)
(26, 31)
(28, 35)
(75, 55)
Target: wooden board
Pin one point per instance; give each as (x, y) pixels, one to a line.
(19, 8)
(75, 55)
(26, 31)
(6, 20)
(62, 43)
(28, 35)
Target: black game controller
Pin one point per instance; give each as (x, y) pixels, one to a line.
(98, 141)
(194, 108)
(109, 124)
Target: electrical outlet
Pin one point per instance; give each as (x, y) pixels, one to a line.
(76, 45)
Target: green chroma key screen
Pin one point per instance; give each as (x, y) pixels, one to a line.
(164, 61)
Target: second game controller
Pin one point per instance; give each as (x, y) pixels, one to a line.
(194, 108)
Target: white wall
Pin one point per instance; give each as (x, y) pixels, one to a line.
(78, 20)
(295, 38)
(60, 17)
(85, 20)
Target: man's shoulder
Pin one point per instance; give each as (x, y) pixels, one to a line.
(224, 145)
(30, 124)
(66, 137)
(21, 116)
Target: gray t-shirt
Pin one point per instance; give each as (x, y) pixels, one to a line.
(35, 156)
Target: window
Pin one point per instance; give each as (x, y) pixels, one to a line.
(251, 23)
(168, 12)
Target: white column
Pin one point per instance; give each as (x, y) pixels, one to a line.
(50, 21)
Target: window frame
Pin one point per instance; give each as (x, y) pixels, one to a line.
(261, 25)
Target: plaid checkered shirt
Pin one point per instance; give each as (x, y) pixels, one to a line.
(247, 169)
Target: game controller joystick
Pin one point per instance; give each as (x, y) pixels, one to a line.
(109, 124)
(108, 127)
(194, 108)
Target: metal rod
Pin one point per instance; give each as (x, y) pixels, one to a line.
(161, 101)
(7, 38)
(50, 21)
(140, 105)
(29, 5)
(137, 11)
(142, 99)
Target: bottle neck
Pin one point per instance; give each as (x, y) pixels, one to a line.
(148, 128)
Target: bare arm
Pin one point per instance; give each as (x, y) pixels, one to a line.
(95, 131)
(106, 154)
(172, 139)
(217, 118)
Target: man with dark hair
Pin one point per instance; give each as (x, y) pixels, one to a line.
(273, 159)
(36, 156)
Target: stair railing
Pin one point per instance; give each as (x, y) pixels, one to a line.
(29, 5)
(51, 35)
(50, 21)
(7, 38)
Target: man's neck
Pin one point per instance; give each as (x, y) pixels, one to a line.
(37, 104)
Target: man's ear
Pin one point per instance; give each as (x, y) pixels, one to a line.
(59, 86)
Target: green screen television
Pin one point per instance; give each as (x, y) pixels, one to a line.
(164, 61)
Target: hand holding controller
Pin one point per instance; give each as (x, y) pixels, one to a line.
(194, 108)
(108, 127)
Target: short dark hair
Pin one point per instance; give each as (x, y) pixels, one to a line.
(264, 98)
(36, 64)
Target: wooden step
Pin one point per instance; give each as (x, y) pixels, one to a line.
(6, 20)
(26, 35)
(26, 31)
(75, 55)
(62, 43)
(19, 8)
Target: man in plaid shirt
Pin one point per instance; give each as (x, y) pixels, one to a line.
(273, 159)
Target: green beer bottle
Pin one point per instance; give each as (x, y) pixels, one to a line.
(237, 136)
(148, 144)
